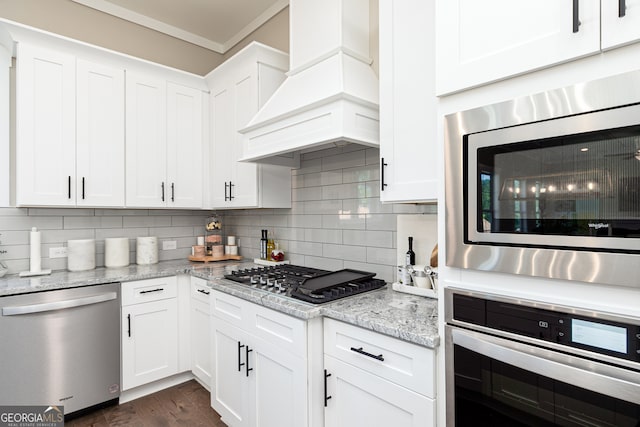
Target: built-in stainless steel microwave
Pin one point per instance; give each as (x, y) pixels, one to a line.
(548, 185)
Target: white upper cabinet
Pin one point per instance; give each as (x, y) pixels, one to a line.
(238, 88)
(184, 146)
(45, 127)
(100, 135)
(146, 141)
(164, 143)
(70, 130)
(484, 41)
(408, 105)
(620, 22)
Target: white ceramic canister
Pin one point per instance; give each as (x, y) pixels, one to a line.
(116, 252)
(147, 250)
(81, 255)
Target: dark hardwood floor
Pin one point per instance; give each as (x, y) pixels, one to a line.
(186, 404)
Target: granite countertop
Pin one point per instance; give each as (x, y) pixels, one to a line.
(407, 317)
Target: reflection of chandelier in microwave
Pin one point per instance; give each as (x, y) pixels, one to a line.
(559, 185)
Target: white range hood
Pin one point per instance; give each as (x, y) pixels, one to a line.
(330, 95)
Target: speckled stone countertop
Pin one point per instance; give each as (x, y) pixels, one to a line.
(408, 317)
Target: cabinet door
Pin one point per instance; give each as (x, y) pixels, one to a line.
(408, 105)
(230, 384)
(100, 135)
(149, 342)
(360, 398)
(619, 30)
(245, 175)
(200, 336)
(184, 146)
(146, 147)
(483, 41)
(45, 127)
(278, 386)
(222, 152)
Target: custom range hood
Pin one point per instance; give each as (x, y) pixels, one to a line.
(330, 95)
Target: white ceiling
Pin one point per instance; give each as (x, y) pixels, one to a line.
(213, 24)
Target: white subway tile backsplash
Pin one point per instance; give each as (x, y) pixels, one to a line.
(323, 207)
(344, 191)
(305, 248)
(303, 194)
(381, 222)
(344, 220)
(27, 222)
(367, 206)
(380, 239)
(323, 235)
(305, 221)
(322, 178)
(58, 226)
(324, 263)
(92, 222)
(361, 174)
(344, 160)
(147, 221)
(381, 256)
(345, 252)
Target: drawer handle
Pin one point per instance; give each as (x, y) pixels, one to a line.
(202, 291)
(240, 365)
(382, 166)
(326, 398)
(129, 325)
(364, 353)
(248, 350)
(152, 290)
(576, 17)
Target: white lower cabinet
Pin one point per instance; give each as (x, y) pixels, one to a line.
(259, 368)
(200, 328)
(149, 331)
(376, 380)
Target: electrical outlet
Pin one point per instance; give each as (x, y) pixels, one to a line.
(168, 245)
(60, 252)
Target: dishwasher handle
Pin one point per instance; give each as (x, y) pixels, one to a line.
(58, 305)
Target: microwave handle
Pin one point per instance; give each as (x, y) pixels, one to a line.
(605, 379)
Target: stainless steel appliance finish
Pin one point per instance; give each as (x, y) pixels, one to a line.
(535, 381)
(61, 347)
(551, 258)
(305, 283)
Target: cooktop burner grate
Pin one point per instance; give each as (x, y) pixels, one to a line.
(307, 284)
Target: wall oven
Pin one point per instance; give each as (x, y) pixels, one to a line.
(526, 363)
(549, 184)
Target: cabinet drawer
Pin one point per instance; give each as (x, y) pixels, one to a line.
(226, 307)
(403, 363)
(141, 291)
(285, 332)
(199, 290)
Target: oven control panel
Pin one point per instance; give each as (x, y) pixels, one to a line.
(589, 331)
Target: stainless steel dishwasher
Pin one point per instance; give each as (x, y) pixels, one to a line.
(61, 347)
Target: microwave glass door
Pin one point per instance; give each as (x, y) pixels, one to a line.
(569, 182)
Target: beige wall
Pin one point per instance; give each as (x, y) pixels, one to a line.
(79, 22)
(274, 33)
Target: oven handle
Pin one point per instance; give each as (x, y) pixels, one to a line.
(610, 380)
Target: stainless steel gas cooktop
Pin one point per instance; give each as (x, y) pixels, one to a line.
(307, 284)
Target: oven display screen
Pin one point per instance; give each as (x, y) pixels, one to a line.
(607, 337)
